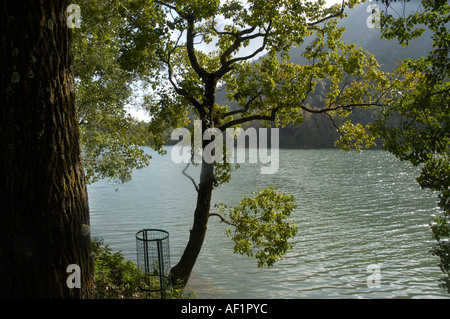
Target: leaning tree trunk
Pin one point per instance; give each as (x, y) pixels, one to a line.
(181, 272)
(44, 214)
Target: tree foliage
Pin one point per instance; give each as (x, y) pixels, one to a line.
(115, 277)
(261, 227)
(260, 87)
(111, 138)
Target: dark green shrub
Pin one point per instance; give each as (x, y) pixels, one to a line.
(117, 278)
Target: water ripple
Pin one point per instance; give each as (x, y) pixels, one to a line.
(354, 211)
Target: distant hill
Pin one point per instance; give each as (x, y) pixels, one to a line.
(317, 130)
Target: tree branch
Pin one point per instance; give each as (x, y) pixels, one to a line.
(235, 34)
(244, 109)
(260, 49)
(171, 7)
(338, 129)
(222, 219)
(249, 118)
(177, 89)
(224, 58)
(329, 17)
(190, 177)
(191, 50)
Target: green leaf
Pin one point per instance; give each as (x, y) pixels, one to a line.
(261, 226)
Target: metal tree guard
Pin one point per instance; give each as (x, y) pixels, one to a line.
(153, 259)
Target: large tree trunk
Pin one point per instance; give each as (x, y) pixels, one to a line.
(44, 214)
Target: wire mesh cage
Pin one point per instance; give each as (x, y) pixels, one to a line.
(153, 260)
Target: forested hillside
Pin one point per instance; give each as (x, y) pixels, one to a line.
(317, 131)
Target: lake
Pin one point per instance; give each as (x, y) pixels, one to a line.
(362, 226)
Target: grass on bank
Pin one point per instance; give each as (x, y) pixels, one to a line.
(117, 278)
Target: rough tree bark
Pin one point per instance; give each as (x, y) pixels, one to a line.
(44, 214)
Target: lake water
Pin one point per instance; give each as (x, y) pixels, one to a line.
(362, 220)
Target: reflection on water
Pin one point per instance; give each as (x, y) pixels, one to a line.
(354, 211)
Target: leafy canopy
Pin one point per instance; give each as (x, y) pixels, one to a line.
(243, 48)
(111, 138)
(181, 53)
